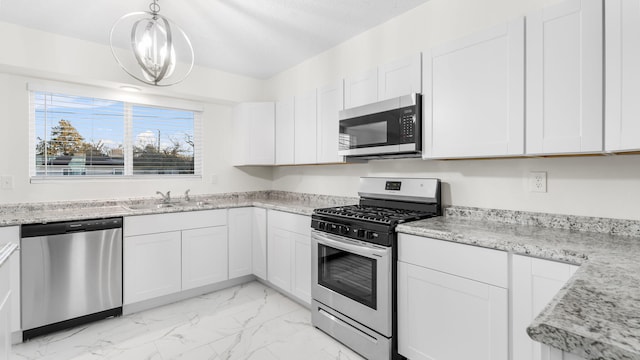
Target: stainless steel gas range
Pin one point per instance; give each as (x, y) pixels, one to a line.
(354, 253)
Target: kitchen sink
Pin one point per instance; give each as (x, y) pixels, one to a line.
(149, 206)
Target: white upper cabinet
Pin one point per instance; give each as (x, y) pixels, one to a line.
(330, 102)
(305, 128)
(474, 95)
(285, 136)
(254, 134)
(564, 78)
(397, 78)
(361, 89)
(400, 77)
(622, 109)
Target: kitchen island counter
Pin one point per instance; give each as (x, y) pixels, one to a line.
(597, 313)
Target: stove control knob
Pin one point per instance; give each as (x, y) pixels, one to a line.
(360, 233)
(344, 230)
(369, 235)
(322, 225)
(332, 227)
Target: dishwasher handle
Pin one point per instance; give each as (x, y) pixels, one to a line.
(56, 228)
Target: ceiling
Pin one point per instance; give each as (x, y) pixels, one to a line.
(258, 38)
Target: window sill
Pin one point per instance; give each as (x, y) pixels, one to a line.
(84, 178)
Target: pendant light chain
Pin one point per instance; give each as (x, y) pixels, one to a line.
(154, 7)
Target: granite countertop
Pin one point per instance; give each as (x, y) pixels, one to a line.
(33, 213)
(597, 313)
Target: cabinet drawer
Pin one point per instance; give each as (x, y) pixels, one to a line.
(471, 262)
(300, 224)
(157, 223)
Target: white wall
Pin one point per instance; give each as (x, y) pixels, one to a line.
(30, 55)
(603, 186)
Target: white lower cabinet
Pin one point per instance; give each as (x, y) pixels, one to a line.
(240, 238)
(204, 256)
(452, 301)
(289, 253)
(259, 243)
(279, 257)
(534, 283)
(247, 242)
(439, 310)
(5, 310)
(301, 281)
(152, 266)
(169, 253)
(11, 234)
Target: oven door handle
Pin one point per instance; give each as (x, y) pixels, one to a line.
(364, 250)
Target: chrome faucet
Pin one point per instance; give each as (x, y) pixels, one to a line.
(186, 195)
(165, 198)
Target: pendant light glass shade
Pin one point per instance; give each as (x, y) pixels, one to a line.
(160, 52)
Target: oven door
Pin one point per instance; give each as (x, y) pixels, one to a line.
(353, 278)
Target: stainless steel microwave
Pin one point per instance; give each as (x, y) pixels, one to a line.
(389, 128)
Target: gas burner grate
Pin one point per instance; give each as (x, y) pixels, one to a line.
(373, 213)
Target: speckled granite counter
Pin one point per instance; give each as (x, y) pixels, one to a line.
(597, 314)
(299, 203)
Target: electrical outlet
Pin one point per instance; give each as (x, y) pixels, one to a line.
(6, 182)
(538, 181)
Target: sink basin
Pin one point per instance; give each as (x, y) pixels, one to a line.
(148, 206)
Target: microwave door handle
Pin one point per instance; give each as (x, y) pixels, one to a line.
(363, 250)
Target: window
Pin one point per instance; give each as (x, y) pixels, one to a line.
(74, 136)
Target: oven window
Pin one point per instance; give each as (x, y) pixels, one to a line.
(351, 275)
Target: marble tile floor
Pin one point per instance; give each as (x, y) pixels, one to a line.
(249, 321)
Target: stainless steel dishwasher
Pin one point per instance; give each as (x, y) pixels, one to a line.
(71, 274)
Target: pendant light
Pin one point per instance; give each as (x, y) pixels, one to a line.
(160, 52)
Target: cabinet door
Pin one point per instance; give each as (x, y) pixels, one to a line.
(445, 317)
(204, 256)
(474, 95)
(152, 266)
(254, 134)
(534, 283)
(11, 234)
(330, 102)
(285, 136)
(15, 291)
(240, 240)
(279, 258)
(622, 109)
(301, 269)
(5, 311)
(564, 78)
(259, 243)
(401, 77)
(305, 128)
(361, 89)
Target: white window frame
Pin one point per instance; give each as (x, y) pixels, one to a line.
(129, 99)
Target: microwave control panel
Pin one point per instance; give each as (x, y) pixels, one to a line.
(407, 127)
